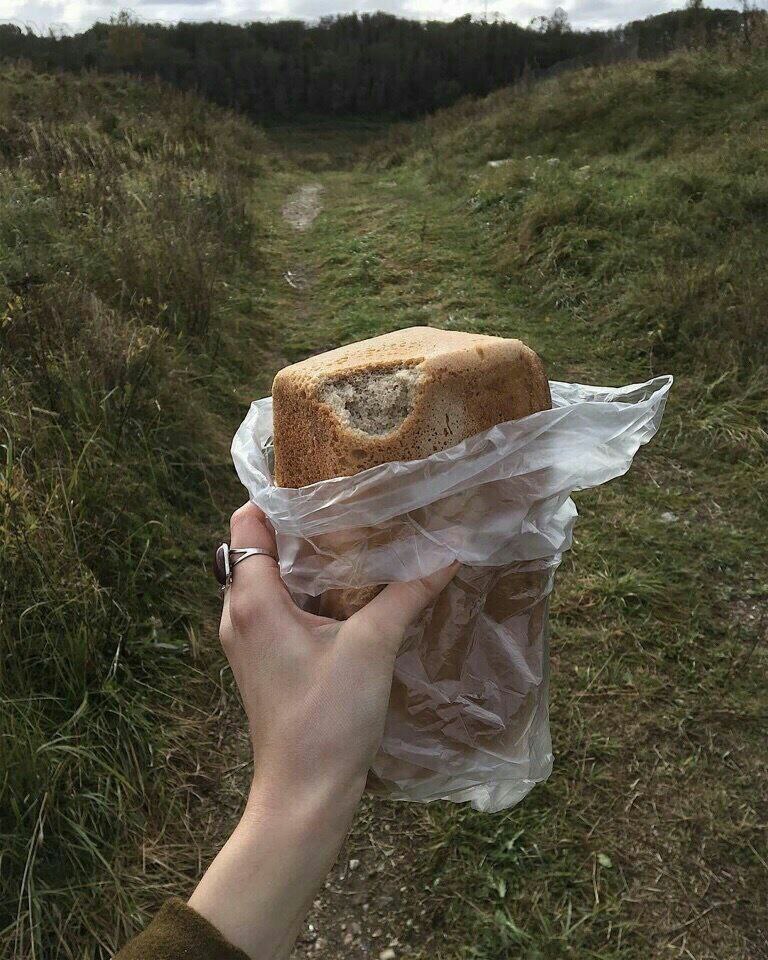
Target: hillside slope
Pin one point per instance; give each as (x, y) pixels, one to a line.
(129, 257)
(648, 839)
(633, 197)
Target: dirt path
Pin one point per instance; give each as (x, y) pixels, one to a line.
(376, 902)
(303, 206)
(372, 903)
(628, 850)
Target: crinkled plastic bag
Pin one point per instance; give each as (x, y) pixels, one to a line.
(468, 715)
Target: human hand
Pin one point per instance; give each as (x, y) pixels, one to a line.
(315, 692)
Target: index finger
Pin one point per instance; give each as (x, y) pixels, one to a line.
(257, 577)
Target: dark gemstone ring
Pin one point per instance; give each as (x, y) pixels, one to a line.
(226, 559)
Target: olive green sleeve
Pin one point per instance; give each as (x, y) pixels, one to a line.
(179, 933)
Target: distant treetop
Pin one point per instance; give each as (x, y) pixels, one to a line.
(357, 64)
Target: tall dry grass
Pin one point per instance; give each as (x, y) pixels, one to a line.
(125, 231)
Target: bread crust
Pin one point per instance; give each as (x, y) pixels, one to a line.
(456, 384)
(464, 383)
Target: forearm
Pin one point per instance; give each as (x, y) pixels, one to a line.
(315, 691)
(261, 885)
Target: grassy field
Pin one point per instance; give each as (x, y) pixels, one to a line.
(639, 251)
(633, 196)
(623, 239)
(130, 274)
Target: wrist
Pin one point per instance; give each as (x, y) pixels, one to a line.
(323, 805)
(260, 886)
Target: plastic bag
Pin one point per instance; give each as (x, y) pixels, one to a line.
(468, 715)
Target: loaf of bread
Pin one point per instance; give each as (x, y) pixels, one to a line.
(401, 396)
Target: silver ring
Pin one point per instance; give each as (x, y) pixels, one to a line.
(227, 558)
(243, 552)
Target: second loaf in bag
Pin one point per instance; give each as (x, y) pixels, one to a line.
(400, 396)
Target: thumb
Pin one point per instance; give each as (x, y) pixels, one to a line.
(385, 618)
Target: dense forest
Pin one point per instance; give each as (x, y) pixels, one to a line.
(357, 64)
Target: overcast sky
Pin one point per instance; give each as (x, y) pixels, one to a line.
(74, 15)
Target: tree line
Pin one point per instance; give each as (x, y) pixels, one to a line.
(363, 64)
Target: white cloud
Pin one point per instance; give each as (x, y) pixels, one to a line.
(75, 15)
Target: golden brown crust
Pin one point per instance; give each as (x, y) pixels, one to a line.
(466, 383)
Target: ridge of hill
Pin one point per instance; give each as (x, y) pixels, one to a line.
(634, 197)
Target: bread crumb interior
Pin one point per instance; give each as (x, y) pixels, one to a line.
(375, 403)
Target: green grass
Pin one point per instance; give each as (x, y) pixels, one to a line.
(633, 197)
(130, 257)
(649, 838)
(335, 144)
(118, 399)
